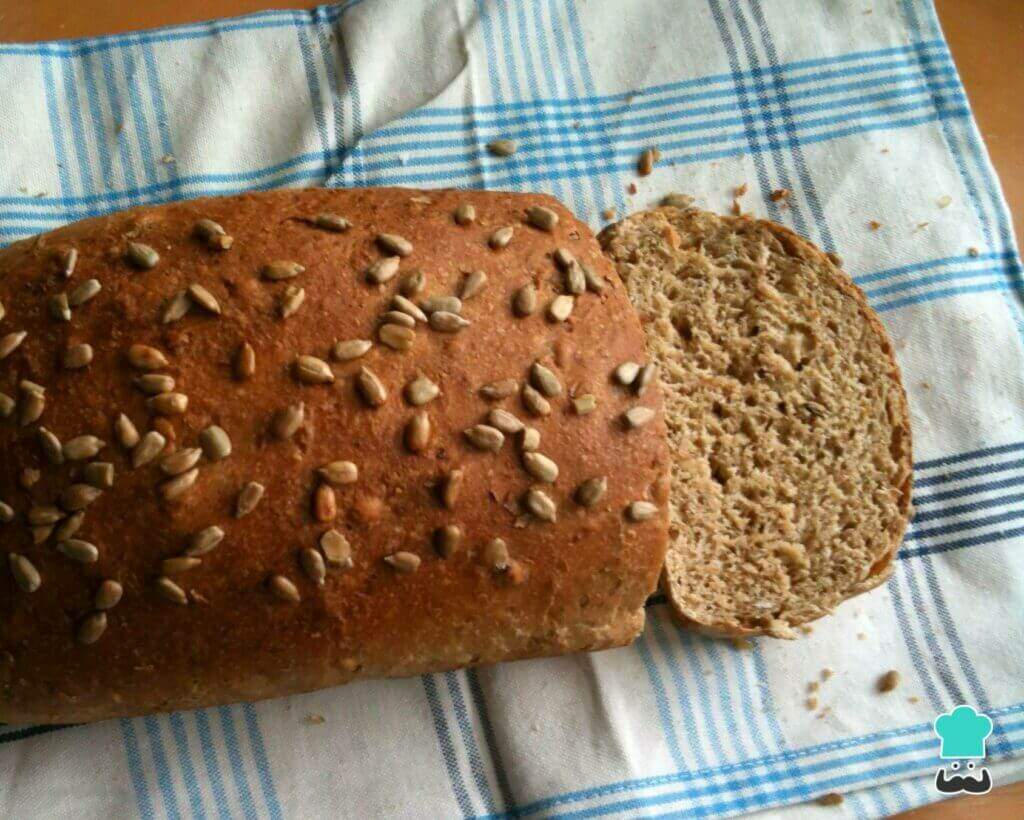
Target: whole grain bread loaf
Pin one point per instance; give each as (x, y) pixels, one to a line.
(269, 443)
(787, 422)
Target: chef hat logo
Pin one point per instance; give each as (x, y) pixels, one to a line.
(963, 732)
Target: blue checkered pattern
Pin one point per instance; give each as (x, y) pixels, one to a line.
(860, 117)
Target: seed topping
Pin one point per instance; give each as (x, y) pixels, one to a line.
(408, 307)
(591, 491)
(311, 370)
(403, 562)
(641, 511)
(370, 387)
(245, 362)
(146, 358)
(397, 337)
(212, 235)
(287, 422)
(176, 487)
(485, 437)
(383, 270)
(540, 467)
(535, 402)
(248, 499)
(446, 540)
(60, 308)
(560, 308)
(202, 297)
(501, 237)
(81, 551)
(465, 213)
(281, 269)
(636, 417)
(501, 147)
(26, 576)
(446, 322)
(168, 404)
(108, 595)
(542, 218)
(451, 488)
(325, 506)
(417, 433)
(393, 244)
(126, 432)
(498, 390)
(99, 474)
(141, 256)
(204, 541)
(170, 591)
(474, 282)
(337, 549)
(180, 461)
(92, 628)
(339, 473)
(351, 349)
(81, 448)
(313, 565)
(505, 421)
(84, 292)
(11, 342)
(420, 391)
(291, 301)
(331, 222)
(541, 505)
(148, 448)
(215, 442)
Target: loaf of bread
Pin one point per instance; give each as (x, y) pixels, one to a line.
(787, 422)
(264, 444)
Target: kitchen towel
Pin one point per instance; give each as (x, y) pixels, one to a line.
(846, 121)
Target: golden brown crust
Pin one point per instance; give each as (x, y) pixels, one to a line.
(715, 294)
(577, 584)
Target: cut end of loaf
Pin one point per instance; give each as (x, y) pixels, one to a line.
(787, 422)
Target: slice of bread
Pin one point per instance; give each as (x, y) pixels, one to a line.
(787, 422)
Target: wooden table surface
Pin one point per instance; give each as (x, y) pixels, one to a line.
(986, 37)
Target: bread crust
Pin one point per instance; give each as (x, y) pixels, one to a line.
(574, 585)
(671, 239)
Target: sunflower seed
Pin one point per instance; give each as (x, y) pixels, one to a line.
(412, 283)
(50, 445)
(141, 256)
(92, 628)
(446, 322)
(284, 589)
(213, 235)
(82, 448)
(11, 342)
(421, 391)
(496, 555)
(337, 549)
(383, 270)
(535, 402)
(636, 417)
(43, 514)
(524, 300)
(176, 307)
(417, 433)
(446, 540)
(409, 308)
(26, 576)
(674, 200)
(591, 491)
(40, 534)
(648, 373)
(641, 511)
(502, 147)
(393, 244)
(3, 312)
(288, 421)
(645, 164)
(502, 389)
(291, 301)
(68, 261)
(281, 269)
(7, 405)
(99, 474)
(542, 218)
(352, 349)
(81, 551)
(148, 448)
(153, 384)
(248, 499)
(245, 362)
(325, 506)
(29, 477)
(449, 304)
(204, 541)
(370, 387)
(143, 357)
(170, 591)
(108, 595)
(31, 387)
(465, 213)
(626, 373)
(176, 487)
(575, 281)
(585, 404)
(404, 562)
(560, 308)
(180, 461)
(126, 433)
(545, 380)
(311, 370)
(215, 443)
(595, 282)
(168, 404)
(84, 292)
(313, 565)
(6, 513)
(541, 506)
(484, 437)
(540, 467)
(69, 526)
(451, 488)
(504, 421)
(474, 282)
(202, 297)
(59, 307)
(339, 473)
(396, 337)
(331, 222)
(501, 237)
(179, 564)
(33, 403)
(529, 439)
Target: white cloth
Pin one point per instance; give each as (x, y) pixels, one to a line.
(860, 116)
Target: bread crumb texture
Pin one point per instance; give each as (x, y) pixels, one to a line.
(787, 422)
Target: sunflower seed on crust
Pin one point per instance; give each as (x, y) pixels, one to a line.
(641, 511)
(69, 526)
(176, 307)
(126, 432)
(541, 506)
(495, 555)
(397, 337)
(29, 477)
(331, 222)
(404, 562)
(383, 270)
(337, 550)
(474, 282)
(170, 591)
(370, 387)
(148, 448)
(108, 595)
(291, 301)
(575, 280)
(339, 473)
(180, 461)
(524, 300)
(311, 370)
(91, 629)
(99, 474)
(204, 541)
(168, 404)
(68, 261)
(146, 358)
(485, 437)
(626, 373)
(501, 147)
(284, 589)
(529, 439)
(286, 422)
(313, 565)
(465, 213)
(60, 308)
(26, 576)
(495, 391)
(6, 513)
(446, 322)
(141, 256)
(636, 417)
(215, 442)
(325, 506)
(351, 349)
(535, 402)
(675, 200)
(42, 514)
(540, 467)
(542, 218)
(32, 406)
(585, 404)
(505, 421)
(84, 292)
(595, 282)
(202, 297)
(591, 491)
(245, 362)
(408, 307)
(446, 540)
(7, 405)
(77, 550)
(545, 380)
(412, 283)
(50, 445)
(179, 564)
(451, 488)
(153, 384)
(40, 534)
(501, 237)
(393, 244)
(560, 308)
(417, 433)
(11, 342)
(81, 448)
(248, 499)
(212, 235)
(281, 269)
(450, 304)
(421, 391)
(176, 487)
(648, 373)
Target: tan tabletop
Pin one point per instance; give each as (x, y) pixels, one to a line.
(986, 37)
